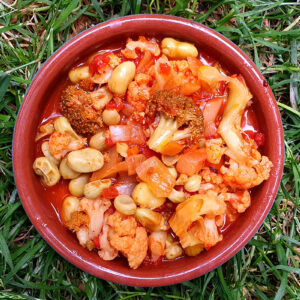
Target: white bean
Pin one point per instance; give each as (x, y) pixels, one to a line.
(47, 170)
(46, 152)
(70, 205)
(80, 73)
(85, 160)
(97, 141)
(125, 205)
(76, 185)
(111, 117)
(176, 49)
(143, 197)
(67, 172)
(176, 196)
(150, 219)
(94, 189)
(121, 76)
(193, 183)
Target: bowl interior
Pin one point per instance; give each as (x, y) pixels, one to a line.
(32, 194)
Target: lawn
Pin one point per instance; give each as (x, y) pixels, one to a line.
(268, 32)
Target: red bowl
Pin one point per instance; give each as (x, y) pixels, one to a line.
(32, 195)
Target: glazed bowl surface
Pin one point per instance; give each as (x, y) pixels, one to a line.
(44, 217)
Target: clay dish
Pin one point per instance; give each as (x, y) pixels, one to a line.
(43, 216)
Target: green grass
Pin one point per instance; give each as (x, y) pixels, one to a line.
(268, 267)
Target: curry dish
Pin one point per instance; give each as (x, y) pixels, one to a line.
(150, 140)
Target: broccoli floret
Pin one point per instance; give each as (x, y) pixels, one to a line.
(180, 119)
(166, 131)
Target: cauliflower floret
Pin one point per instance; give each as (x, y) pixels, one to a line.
(230, 125)
(114, 60)
(238, 149)
(239, 200)
(174, 74)
(62, 143)
(87, 222)
(157, 244)
(133, 243)
(102, 75)
(206, 231)
(143, 44)
(139, 91)
(191, 210)
(123, 226)
(100, 98)
(83, 237)
(211, 177)
(244, 177)
(214, 150)
(95, 209)
(107, 251)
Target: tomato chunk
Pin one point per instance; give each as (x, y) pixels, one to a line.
(191, 162)
(157, 176)
(114, 105)
(110, 192)
(98, 62)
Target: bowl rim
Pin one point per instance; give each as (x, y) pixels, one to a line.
(104, 273)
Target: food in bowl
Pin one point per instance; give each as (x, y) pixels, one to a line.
(156, 148)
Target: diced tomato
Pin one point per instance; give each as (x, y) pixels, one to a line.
(96, 242)
(259, 139)
(191, 162)
(114, 105)
(127, 133)
(110, 192)
(157, 176)
(147, 151)
(98, 62)
(133, 162)
(164, 68)
(109, 142)
(172, 148)
(133, 151)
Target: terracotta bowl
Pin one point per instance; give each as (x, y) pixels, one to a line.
(43, 216)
